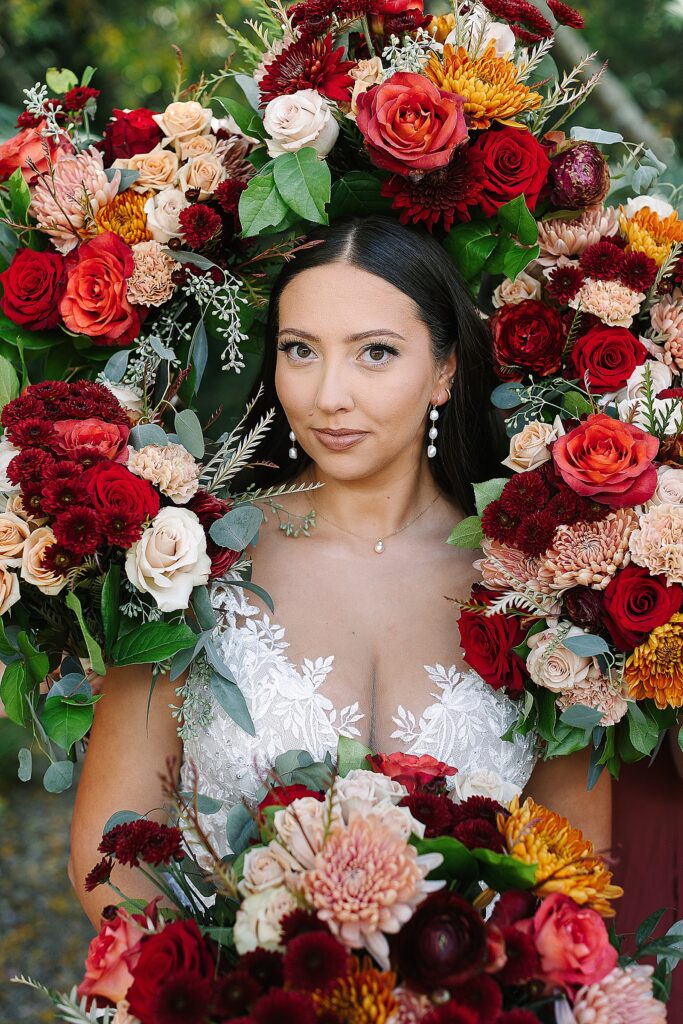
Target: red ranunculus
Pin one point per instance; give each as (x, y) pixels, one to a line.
(95, 302)
(409, 769)
(128, 133)
(410, 125)
(514, 162)
(607, 356)
(635, 603)
(527, 336)
(32, 286)
(178, 951)
(113, 488)
(93, 434)
(487, 643)
(608, 460)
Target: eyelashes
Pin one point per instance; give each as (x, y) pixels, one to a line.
(289, 346)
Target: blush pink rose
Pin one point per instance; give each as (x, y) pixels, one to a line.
(112, 954)
(571, 941)
(27, 145)
(106, 439)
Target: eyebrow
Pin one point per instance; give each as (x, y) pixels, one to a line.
(380, 332)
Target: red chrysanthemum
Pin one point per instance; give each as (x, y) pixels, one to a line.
(522, 962)
(638, 271)
(312, 17)
(227, 195)
(524, 493)
(481, 995)
(434, 811)
(498, 524)
(564, 283)
(120, 528)
(28, 120)
(76, 98)
(61, 469)
(99, 874)
(300, 922)
(64, 493)
(409, 20)
(567, 507)
(199, 225)
(29, 465)
(143, 840)
(532, 18)
(78, 530)
(315, 961)
(666, 393)
(233, 994)
(32, 497)
(479, 834)
(280, 1007)
(351, 9)
(59, 559)
(525, 37)
(264, 966)
(308, 64)
(477, 807)
(183, 998)
(444, 195)
(602, 261)
(535, 533)
(32, 432)
(565, 14)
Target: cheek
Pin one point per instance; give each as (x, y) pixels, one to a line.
(295, 390)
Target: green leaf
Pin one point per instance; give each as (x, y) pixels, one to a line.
(261, 206)
(467, 534)
(94, 649)
(147, 433)
(33, 341)
(469, 247)
(8, 649)
(567, 740)
(646, 929)
(358, 192)
(304, 182)
(547, 711)
(240, 828)
(671, 959)
(246, 119)
(60, 80)
(120, 818)
(13, 692)
(515, 260)
(643, 732)
(205, 804)
(25, 769)
(180, 661)
(19, 196)
(66, 722)
(37, 663)
(231, 699)
(516, 218)
(507, 395)
(351, 754)
(586, 646)
(237, 528)
(488, 491)
(502, 872)
(189, 430)
(580, 716)
(459, 864)
(58, 776)
(152, 642)
(87, 74)
(110, 609)
(576, 404)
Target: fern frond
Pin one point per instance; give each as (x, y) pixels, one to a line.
(21, 979)
(569, 91)
(239, 459)
(260, 31)
(536, 604)
(530, 60)
(75, 1011)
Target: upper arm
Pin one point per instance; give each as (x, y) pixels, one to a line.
(561, 785)
(126, 755)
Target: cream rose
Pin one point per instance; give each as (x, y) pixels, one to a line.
(362, 790)
(7, 453)
(554, 666)
(13, 534)
(198, 145)
(180, 122)
(634, 388)
(398, 819)
(529, 448)
(366, 73)
(302, 827)
(32, 569)
(264, 867)
(302, 119)
(163, 214)
(130, 398)
(170, 559)
(511, 292)
(202, 172)
(9, 589)
(669, 490)
(483, 783)
(157, 169)
(258, 920)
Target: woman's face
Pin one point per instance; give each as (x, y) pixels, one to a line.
(355, 372)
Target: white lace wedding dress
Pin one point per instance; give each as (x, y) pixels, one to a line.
(290, 710)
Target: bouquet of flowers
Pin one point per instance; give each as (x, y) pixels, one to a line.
(365, 894)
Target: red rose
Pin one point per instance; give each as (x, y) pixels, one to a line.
(113, 488)
(130, 132)
(528, 337)
(487, 642)
(94, 435)
(635, 603)
(283, 796)
(606, 357)
(514, 162)
(32, 286)
(408, 769)
(29, 145)
(95, 302)
(395, 6)
(409, 124)
(608, 460)
(177, 954)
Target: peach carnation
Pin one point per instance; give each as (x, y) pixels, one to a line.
(365, 882)
(169, 467)
(666, 317)
(612, 302)
(589, 554)
(595, 691)
(569, 238)
(150, 284)
(65, 203)
(624, 996)
(657, 544)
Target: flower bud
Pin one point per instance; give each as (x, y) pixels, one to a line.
(578, 177)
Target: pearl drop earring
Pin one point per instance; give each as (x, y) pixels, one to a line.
(433, 433)
(293, 453)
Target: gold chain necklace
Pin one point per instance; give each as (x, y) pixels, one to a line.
(379, 543)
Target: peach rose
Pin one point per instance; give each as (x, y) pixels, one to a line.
(111, 954)
(198, 145)
(264, 867)
(32, 568)
(515, 290)
(157, 169)
(530, 448)
(95, 302)
(202, 172)
(365, 74)
(608, 460)
(9, 589)
(106, 439)
(27, 145)
(13, 535)
(180, 122)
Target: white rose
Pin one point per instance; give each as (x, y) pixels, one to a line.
(202, 172)
(163, 214)
(529, 448)
(662, 377)
(484, 783)
(398, 819)
(361, 790)
(669, 490)
(9, 589)
(32, 569)
(258, 919)
(170, 559)
(7, 453)
(264, 867)
(553, 665)
(515, 290)
(183, 120)
(657, 204)
(302, 119)
(130, 399)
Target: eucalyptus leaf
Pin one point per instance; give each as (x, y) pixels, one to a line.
(250, 90)
(163, 351)
(120, 818)
(58, 776)
(581, 717)
(587, 645)
(259, 591)
(240, 828)
(180, 661)
(231, 699)
(200, 603)
(488, 491)
(597, 135)
(66, 723)
(197, 260)
(198, 353)
(128, 177)
(117, 365)
(69, 685)
(25, 769)
(237, 528)
(351, 754)
(147, 433)
(189, 430)
(507, 395)
(467, 533)
(205, 804)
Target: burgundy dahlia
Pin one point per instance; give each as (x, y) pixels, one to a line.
(579, 177)
(565, 14)
(308, 64)
(64, 493)
(233, 994)
(602, 261)
(78, 529)
(264, 966)
(524, 493)
(199, 225)
(522, 962)
(29, 465)
(280, 1007)
(443, 195)
(638, 271)
(498, 524)
(535, 533)
(433, 810)
(99, 874)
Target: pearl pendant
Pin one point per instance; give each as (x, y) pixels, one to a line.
(379, 547)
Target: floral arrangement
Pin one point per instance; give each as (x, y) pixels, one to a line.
(368, 893)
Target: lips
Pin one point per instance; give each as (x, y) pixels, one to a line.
(339, 440)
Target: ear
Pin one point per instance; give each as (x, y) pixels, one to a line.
(444, 381)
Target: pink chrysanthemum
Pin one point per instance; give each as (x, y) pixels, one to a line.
(589, 553)
(624, 996)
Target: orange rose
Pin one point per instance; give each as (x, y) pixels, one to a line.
(95, 302)
(409, 769)
(105, 439)
(609, 461)
(112, 954)
(29, 144)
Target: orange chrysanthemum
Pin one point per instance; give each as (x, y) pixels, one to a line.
(125, 216)
(489, 85)
(655, 669)
(364, 996)
(647, 232)
(441, 26)
(565, 859)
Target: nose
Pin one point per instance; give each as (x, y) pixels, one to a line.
(334, 388)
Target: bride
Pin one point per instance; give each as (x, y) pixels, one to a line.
(378, 365)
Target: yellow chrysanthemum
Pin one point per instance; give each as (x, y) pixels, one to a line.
(655, 669)
(647, 232)
(488, 85)
(566, 861)
(125, 216)
(441, 26)
(365, 996)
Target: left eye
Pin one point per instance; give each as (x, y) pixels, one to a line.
(376, 353)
